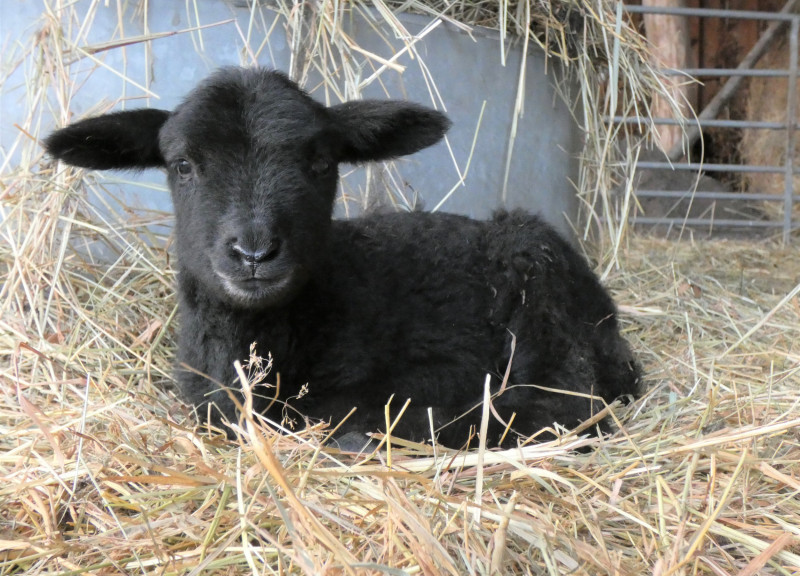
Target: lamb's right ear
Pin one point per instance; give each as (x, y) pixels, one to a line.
(118, 140)
(384, 129)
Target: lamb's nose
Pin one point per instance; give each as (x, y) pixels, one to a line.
(257, 255)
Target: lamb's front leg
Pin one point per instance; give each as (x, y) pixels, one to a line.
(204, 369)
(212, 402)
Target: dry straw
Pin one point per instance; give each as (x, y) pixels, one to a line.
(104, 471)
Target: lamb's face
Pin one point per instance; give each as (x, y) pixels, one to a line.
(252, 166)
(252, 163)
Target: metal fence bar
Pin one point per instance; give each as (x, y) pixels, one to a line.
(710, 12)
(705, 195)
(706, 123)
(697, 166)
(723, 72)
(722, 222)
(791, 111)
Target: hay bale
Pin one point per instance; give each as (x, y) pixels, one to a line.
(766, 102)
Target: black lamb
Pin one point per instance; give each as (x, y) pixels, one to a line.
(415, 305)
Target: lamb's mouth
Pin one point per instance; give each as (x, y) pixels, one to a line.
(257, 292)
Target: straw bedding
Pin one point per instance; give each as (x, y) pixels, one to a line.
(103, 470)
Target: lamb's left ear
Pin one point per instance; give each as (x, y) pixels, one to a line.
(383, 129)
(118, 140)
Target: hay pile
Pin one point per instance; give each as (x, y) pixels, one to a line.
(102, 470)
(767, 102)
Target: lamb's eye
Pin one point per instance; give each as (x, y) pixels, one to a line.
(320, 166)
(183, 167)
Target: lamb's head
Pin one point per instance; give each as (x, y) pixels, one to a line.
(252, 164)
